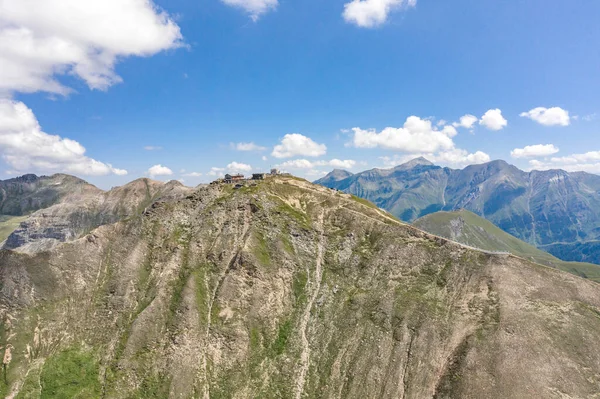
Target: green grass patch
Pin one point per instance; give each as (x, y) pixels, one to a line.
(281, 341)
(8, 224)
(261, 249)
(72, 373)
(299, 287)
(301, 218)
(364, 202)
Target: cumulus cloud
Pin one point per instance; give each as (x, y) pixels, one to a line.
(159, 170)
(152, 148)
(247, 147)
(466, 121)
(193, 174)
(26, 148)
(306, 164)
(342, 164)
(554, 116)
(236, 167)
(41, 40)
(532, 151)
(295, 144)
(493, 120)
(255, 8)
(371, 13)
(587, 162)
(417, 135)
(214, 171)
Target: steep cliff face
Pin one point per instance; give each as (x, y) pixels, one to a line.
(25, 194)
(287, 289)
(83, 208)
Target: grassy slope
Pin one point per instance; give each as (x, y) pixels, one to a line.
(8, 224)
(481, 233)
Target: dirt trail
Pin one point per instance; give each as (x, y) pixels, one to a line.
(315, 288)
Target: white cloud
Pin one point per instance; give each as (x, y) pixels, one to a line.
(417, 135)
(554, 116)
(587, 162)
(40, 40)
(295, 144)
(214, 171)
(159, 170)
(315, 173)
(193, 174)
(297, 164)
(264, 158)
(152, 148)
(460, 158)
(306, 164)
(25, 147)
(236, 167)
(493, 120)
(532, 151)
(342, 164)
(590, 117)
(371, 13)
(247, 147)
(255, 8)
(466, 121)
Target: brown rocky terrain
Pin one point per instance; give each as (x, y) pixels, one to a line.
(288, 290)
(79, 207)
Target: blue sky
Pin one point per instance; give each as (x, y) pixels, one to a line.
(322, 80)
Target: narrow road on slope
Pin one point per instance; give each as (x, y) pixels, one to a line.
(315, 288)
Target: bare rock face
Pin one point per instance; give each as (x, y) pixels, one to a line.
(289, 290)
(81, 210)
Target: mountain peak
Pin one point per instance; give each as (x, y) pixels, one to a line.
(334, 175)
(420, 161)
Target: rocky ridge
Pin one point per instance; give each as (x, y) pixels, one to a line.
(287, 289)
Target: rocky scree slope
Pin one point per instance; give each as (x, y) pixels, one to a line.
(76, 207)
(288, 289)
(554, 210)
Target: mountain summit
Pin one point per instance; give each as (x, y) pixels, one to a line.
(285, 289)
(414, 162)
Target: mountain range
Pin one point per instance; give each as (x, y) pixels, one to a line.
(278, 289)
(554, 210)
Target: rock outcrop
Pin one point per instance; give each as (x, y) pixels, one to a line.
(82, 207)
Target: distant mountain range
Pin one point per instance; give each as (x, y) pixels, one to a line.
(553, 210)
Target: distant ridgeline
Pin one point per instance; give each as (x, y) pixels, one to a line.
(553, 210)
